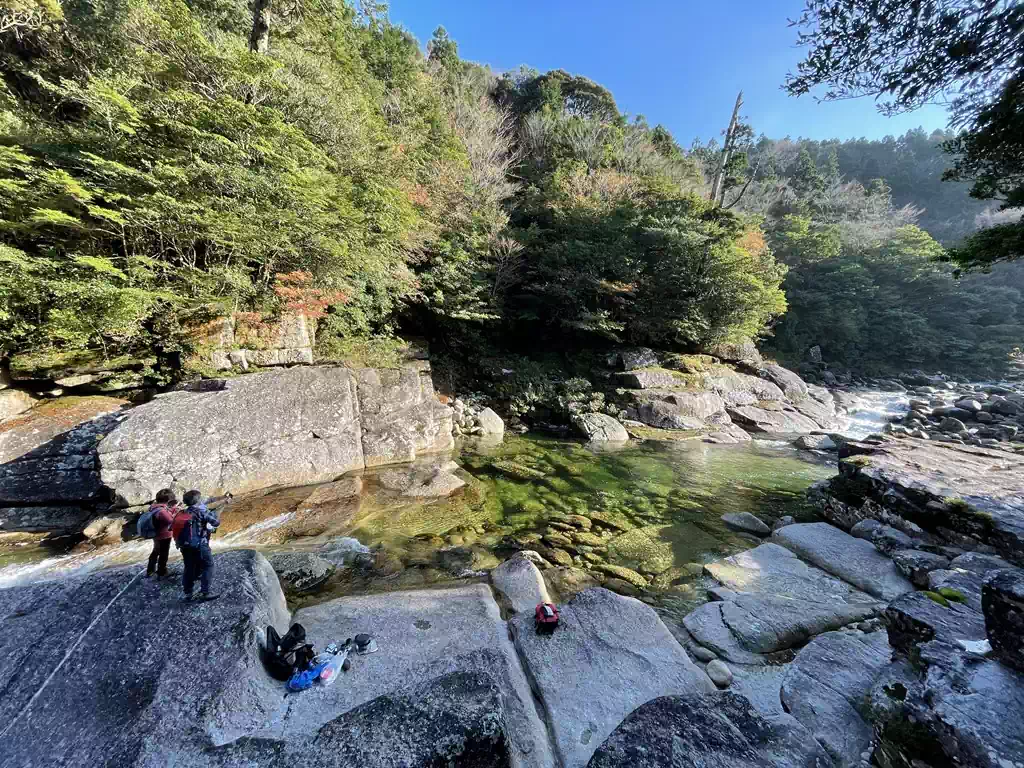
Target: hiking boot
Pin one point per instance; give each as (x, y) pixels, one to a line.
(206, 597)
(187, 598)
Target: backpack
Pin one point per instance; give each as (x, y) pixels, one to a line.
(193, 533)
(146, 528)
(288, 655)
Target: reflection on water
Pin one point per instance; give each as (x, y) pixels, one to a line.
(653, 508)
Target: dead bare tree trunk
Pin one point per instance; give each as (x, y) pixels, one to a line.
(718, 189)
(259, 38)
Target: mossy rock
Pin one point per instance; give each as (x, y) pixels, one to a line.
(517, 471)
(625, 574)
(952, 595)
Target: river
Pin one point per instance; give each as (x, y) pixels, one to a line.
(658, 506)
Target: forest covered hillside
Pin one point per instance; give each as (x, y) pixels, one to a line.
(163, 162)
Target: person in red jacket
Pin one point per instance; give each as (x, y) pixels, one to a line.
(163, 517)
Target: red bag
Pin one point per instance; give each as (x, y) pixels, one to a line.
(546, 618)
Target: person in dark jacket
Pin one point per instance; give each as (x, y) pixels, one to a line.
(163, 516)
(194, 543)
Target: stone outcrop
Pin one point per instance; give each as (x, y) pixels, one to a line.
(853, 560)
(287, 341)
(290, 427)
(826, 687)
(301, 571)
(609, 655)
(1002, 600)
(14, 402)
(962, 495)
(600, 427)
(455, 719)
(773, 602)
(109, 649)
(423, 636)
(715, 729)
(49, 478)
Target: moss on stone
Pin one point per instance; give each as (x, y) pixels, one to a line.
(937, 598)
(952, 595)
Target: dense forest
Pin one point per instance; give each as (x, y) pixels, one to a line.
(165, 161)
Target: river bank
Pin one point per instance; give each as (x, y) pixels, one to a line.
(684, 568)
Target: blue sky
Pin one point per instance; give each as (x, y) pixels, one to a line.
(678, 62)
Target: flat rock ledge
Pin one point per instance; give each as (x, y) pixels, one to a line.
(962, 496)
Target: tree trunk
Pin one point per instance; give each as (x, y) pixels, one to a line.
(718, 189)
(259, 38)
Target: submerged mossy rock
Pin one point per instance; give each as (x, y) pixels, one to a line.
(645, 549)
(517, 471)
(626, 574)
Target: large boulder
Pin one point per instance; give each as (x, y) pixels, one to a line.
(962, 495)
(678, 409)
(520, 583)
(743, 351)
(400, 415)
(93, 667)
(600, 427)
(652, 378)
(291, 427)
(640, 357)
(301, 571)
(772, 418)
(454, 719)
(717, 730)
(294, 427)
(422, 636)
(49, 480)
(1003, 603)
(609, 655)
(490, 423)
(14, 402)
(740, 388)
(826, 688)
(790, 383)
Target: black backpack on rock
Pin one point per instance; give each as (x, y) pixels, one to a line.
(284, 655)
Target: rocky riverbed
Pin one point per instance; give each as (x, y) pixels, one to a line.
(705, 600)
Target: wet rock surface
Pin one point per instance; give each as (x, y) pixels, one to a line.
(826, 688)
(1002, 600)
(49, 478)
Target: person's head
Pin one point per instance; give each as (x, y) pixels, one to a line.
(191, 498)
(166, 496)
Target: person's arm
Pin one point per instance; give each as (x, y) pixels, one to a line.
(212, 518)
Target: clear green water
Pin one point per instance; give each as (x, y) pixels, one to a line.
(655, 508)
